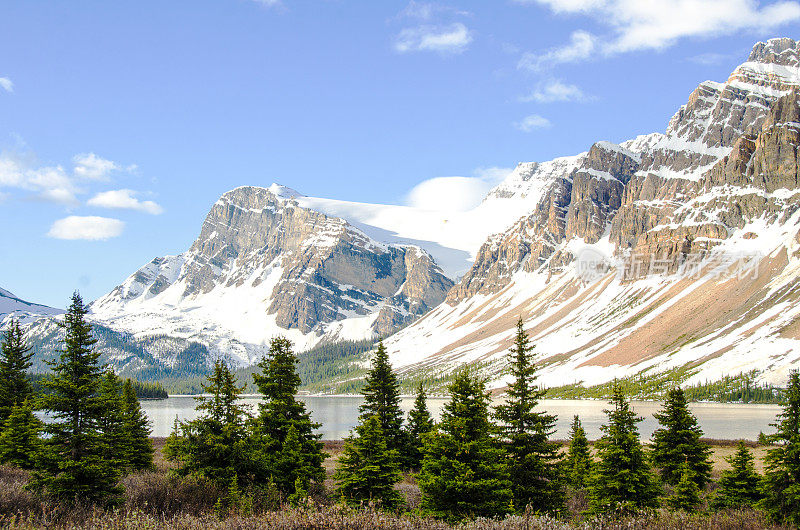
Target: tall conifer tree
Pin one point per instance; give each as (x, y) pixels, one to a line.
(533, 459)
(283, 419)
(137, 428)
(781, 484)
(382, 399)
(677, 442)
(420, 423)
(578, 464)
(72, 464)
(464, 472)
(622, 479)
(15, 359)
(111, 424)
(739, 485)
(19, 437)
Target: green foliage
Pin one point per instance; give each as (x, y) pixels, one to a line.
(15, 359)
(677, 442)
(137, 430)
(72, 463)
(382, 399)
(215, 446)
(578, 464)
(19, 437)
(464, 472)
(781, 484)
(288, 449)
(740, 388)
(114, 437)
(738, 486)
(686, 495)
(368, 469)
(622, 479)
(533, 461)
(420, 423)
(148, 390)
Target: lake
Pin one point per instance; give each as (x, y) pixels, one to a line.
(339, 414)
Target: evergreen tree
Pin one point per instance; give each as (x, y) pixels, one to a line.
(216, 445)
(578, 464)
(72, 463)
(622, 479)
(677, 442)
(738, 486)
(137, 428)
(533, 459)
(288, 449)
(781, 484)
(111, 424)
(686, 495)
(420, 423)
(19, 437)
(464, 472)
(382, 399)
(15, 359)
(368, 469)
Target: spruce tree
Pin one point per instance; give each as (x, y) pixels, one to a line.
(72, 463)
(738, 486)
(217, 445)
(19, 437)
(420, 424)
(137, 428)
(578, 464)
(464, 472)
(111, 424)
(368, 469)
(686, 495)
(622, 479)
(15, 359)
(382, 399)
(288, 449)
(781, 484)
(533, 460)
(677, 442)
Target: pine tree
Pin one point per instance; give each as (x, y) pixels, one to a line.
(111, 424)
(368, 469)
(72, 463)
(781, 484)
(622, 479)
(288, 448)
(464, 472)
(382, 399)
(677, 442)
(19, 437)
(533, 460)
(578, 465)
(137, 428)
(15, 359)
(420, 424)
(686, 495)
(738, 486)
(216, 445)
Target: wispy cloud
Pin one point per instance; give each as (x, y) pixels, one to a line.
(452, 38)
(269, 3)
(532, 123)
(656, 24)
(92, 167)
(50, 183)
(6, 84)
(89, 228)
(553, 91)
(124, 200)
(710, 58)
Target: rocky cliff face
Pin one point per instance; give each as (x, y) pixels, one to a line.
(263, 265)
(697, 232)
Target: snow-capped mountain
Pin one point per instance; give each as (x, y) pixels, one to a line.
(11, 306)
(676, 251)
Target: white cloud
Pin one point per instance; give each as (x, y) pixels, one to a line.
(6, 84)
(532, 122)
(581, 46)
(50, 183)
(91, 167)
(90, 228)
(555, 91)
(657, 24)
(456, 194)
(451, 38)
(124, 200)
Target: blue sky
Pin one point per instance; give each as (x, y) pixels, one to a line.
(121, 123)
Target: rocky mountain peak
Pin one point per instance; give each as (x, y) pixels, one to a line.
(781, 51)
